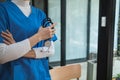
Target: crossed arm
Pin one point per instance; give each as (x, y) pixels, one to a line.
(8, 39)
(42, 34)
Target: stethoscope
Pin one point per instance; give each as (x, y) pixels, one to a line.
(46, 22)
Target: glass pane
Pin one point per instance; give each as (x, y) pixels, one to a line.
(92, 62)
(116, 53)
(54, 14)
(76, 35)
(94, 29)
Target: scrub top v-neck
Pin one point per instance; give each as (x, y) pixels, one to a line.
(22, 27)
(20, 12)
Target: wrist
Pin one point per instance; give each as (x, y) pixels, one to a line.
(34, 39)
(37, 35)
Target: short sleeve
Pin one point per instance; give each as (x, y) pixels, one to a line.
(54, 38)
(3, 20)
(41, 15)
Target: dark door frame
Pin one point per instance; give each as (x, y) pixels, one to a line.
(106, 39)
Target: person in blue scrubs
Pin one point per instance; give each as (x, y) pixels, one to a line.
(22, 27)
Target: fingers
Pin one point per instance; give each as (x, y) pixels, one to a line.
(5, 36)
(6, 42)
(52, 29)
(53, 33)
(8, 38)
(46, 33)
(52, 26)
(8, 32)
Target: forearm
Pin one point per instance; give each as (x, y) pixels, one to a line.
(19, 49)
(22, 49)
(41, 52)
(34, 40)
(13, 51)
(30, 54)
(42, 34)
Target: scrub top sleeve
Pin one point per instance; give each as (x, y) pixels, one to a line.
(41, 15)
(54, 38)
(3, 21)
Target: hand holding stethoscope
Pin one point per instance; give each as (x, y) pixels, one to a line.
(47, 21)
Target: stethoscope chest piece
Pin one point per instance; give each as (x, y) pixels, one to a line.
(47, 43)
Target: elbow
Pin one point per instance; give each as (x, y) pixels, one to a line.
(3, 61)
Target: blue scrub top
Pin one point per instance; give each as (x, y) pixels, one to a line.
(22, 27)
